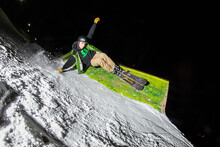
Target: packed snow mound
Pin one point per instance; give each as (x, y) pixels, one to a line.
(41, 107)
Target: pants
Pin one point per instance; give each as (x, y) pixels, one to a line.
(101, 59)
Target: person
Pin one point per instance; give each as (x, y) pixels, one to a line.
(83, 53)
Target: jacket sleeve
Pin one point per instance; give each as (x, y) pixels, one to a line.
(70, 63)
(74, 48)
(91, 31)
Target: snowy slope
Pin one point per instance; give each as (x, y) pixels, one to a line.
(43, 107)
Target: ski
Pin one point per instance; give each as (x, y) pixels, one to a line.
(135, 78)
(131, 82)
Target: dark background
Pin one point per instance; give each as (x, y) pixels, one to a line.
(176, 39)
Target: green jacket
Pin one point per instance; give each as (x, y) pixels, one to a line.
(78, 63)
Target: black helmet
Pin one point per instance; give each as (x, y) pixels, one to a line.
(82, 38)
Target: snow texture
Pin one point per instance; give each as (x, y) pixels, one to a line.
(41, 107)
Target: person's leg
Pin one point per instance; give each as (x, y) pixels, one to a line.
(101, 59)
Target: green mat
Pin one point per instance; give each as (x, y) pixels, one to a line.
(154, 94)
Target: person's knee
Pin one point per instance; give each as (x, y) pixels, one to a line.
(103, 55)
(97, 62)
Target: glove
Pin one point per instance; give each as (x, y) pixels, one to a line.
(96, 20)
(60, 70)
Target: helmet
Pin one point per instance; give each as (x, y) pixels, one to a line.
(82, 38)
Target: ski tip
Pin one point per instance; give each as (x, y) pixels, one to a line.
(147, 83)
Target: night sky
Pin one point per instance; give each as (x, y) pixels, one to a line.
(176, 39)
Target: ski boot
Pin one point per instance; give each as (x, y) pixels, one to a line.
(117, 70)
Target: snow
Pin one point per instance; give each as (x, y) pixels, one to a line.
(42, 107)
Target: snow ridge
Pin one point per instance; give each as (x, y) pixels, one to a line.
(46, 108)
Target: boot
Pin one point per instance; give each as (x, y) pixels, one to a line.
(117, 70)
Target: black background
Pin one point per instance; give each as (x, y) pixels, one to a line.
(176, 39)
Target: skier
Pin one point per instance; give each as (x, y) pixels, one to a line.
(82, 54)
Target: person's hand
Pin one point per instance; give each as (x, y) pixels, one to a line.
(60, 70)
(96, 20)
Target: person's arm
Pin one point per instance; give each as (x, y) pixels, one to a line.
(92, 29)
(69, 64)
